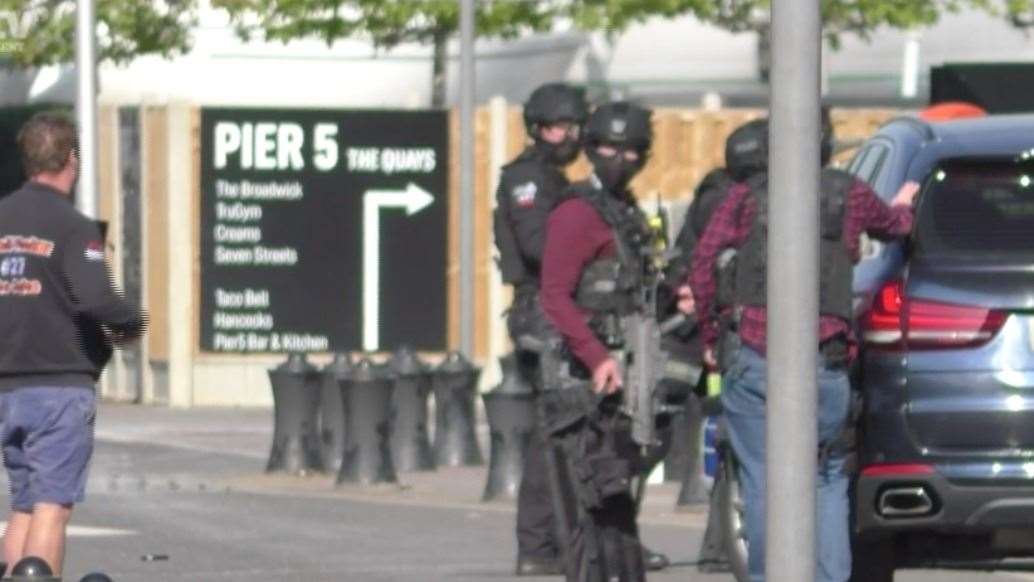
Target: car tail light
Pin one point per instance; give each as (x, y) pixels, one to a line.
(899, 322)
(889, 470)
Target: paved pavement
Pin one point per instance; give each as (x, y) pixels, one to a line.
(181, 496)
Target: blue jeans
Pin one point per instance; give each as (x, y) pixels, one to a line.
(744, 392)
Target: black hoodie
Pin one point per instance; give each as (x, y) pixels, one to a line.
(58, 305)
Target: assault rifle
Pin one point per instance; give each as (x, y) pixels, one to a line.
(645, 363)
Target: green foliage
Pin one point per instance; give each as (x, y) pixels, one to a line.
(391, 22)
(1020, 12)
(386, 22)
(858, 17)
(42, 32)
(616, 15)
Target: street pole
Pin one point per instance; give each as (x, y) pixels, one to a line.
(793, 290)
(467, 177)
(86, 106)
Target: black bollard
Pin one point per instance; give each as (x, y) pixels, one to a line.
(367, 392)
(410, 443)
(455, 383)
(694, 490)
(96, 577)
(32, 568)
(332, 412)
(678, 455)
(296, 394)
(511, 419)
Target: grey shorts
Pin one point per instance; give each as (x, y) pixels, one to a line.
(47, 437)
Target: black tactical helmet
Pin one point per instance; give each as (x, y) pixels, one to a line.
(746, 149)
(620, 124)
(553, 103)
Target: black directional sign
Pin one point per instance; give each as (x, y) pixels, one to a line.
(323, 229)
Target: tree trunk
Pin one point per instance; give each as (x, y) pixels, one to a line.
(439, 69)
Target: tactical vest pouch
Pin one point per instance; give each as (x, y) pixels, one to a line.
(600, 476)
(511, 266)
(525, 316)
(599, 471)
(601, 288)
(569, 408)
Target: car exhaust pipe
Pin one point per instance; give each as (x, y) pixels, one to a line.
(904, 502)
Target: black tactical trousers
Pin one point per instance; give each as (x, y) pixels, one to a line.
(536, 529)
(597, 462)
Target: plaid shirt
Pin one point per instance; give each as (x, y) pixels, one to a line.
(730, 226)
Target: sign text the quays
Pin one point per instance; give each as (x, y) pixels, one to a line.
(309, 221)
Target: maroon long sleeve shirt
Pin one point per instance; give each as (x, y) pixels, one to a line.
(730, 226)
(576, 235)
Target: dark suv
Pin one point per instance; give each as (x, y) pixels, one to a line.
(946, 454)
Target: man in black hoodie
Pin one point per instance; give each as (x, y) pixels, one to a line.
(59, 316)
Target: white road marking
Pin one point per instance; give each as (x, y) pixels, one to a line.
(85, 531)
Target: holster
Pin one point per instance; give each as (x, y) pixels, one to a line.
(568, 409)
(599, 477)
(525, 316)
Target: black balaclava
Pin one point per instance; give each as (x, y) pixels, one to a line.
(615, 172)
(559, 154)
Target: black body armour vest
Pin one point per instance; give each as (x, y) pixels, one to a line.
(835, 263)
(529, 167)
(607, 286)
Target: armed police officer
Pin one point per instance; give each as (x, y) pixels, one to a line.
(594, 246)
(849, 208)
(529, 188)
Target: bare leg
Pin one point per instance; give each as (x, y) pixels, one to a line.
(46, 537)
(14, 537)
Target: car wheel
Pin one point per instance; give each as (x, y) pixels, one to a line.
(730, 504)
(873, 561)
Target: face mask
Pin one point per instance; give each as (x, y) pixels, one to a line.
(560, 154)
(615, 172)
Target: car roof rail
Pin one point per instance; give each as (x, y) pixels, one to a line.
(919, 125)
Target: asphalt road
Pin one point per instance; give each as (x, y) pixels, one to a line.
(187, 489)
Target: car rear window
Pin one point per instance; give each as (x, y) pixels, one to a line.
(978, 207)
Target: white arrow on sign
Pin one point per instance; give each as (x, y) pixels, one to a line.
(413, 199)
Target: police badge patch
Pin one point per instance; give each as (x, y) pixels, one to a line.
(524, 194)
(94, 251)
